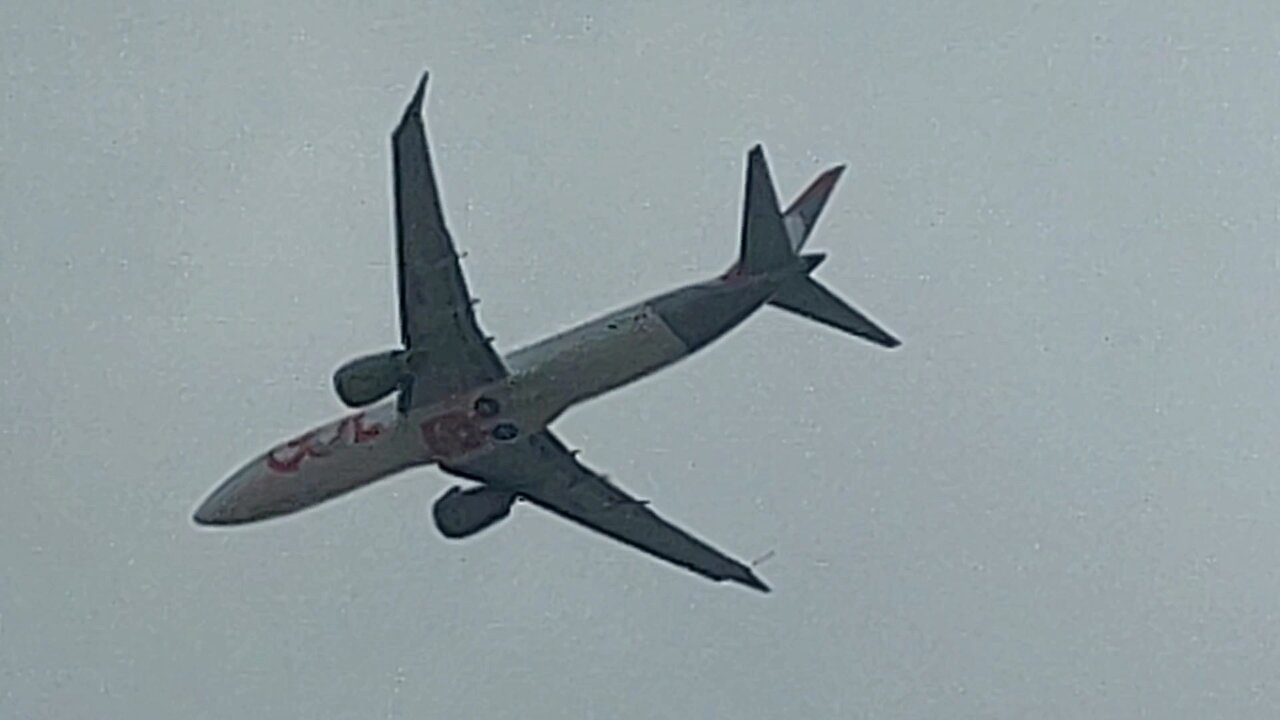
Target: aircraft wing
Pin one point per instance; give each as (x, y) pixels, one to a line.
(542, 470)
(447, 349)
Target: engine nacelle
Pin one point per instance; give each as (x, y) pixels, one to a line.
(459, 513)
(368, 379)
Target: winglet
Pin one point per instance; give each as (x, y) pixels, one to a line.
(415, 105)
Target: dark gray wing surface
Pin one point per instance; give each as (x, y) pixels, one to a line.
(448, 351)
(542, 470)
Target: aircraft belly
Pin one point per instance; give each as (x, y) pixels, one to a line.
(592, 359)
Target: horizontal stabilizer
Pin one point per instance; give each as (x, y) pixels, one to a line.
(808, 298)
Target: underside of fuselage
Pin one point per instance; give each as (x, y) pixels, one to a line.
(546, 379)
(626, 345)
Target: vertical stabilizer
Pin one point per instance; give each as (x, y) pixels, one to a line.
(772, 241)
(765, 243)
(802, 216)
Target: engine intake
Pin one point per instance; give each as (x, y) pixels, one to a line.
(460, 513)
(368, 379)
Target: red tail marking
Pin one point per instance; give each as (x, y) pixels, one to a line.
(452, 434)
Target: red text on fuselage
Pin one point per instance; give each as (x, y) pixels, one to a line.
(350, 430)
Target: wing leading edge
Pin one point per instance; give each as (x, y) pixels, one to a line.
(447, 350)
(541, 469)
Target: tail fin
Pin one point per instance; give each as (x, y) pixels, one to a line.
(809, 298)
(765, 243)
(805, 210)
(772, 240)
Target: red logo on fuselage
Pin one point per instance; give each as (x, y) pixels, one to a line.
(350, 430)
(451, 434)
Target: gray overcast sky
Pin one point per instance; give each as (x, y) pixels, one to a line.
(1055, 501)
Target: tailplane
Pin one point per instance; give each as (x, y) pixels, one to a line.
(772, 241)
(811, 299)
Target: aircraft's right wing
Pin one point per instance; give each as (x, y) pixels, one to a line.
(541, 469)
(448, 351)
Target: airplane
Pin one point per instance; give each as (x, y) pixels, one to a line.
(485, 418)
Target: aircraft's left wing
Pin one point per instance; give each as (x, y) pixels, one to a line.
(447, 349)
(541, 469)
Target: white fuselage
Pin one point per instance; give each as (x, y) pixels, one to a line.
(545, 379)
(586, 361)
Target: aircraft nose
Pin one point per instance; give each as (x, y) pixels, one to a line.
(205, 515)
(209, 514)
(254, 493)
(233, 502)
(216, 509)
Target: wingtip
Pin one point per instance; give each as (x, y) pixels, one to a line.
(756, 583)
(888, 341)
(751, 580)
(415, 105)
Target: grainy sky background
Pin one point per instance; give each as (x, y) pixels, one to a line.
(1057, 500)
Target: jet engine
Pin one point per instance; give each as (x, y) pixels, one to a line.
(459, 513)
(368, 379)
